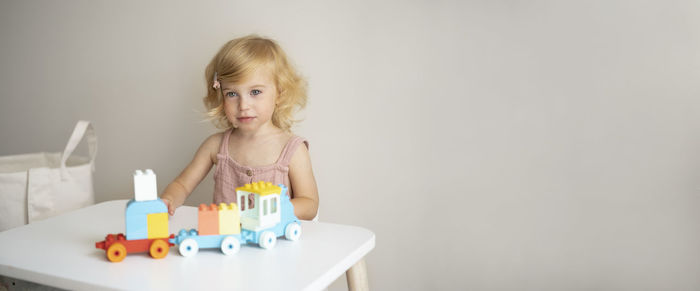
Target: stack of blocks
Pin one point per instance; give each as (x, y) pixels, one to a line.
(220, 220)
(146, 215)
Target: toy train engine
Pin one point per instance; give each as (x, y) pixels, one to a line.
(270, 215)
(146, 223)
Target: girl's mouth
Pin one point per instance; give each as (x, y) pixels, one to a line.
(245, 119)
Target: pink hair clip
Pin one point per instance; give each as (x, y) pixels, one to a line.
(216, 85)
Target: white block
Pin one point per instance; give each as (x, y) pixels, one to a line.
(145, 185)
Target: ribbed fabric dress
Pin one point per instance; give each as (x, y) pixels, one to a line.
(229, 174)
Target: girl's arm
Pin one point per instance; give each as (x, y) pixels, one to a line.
(175, 194)
(301, 176)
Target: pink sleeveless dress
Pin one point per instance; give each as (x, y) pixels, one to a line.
(229, 174)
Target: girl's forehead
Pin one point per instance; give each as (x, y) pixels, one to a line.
(259, 76)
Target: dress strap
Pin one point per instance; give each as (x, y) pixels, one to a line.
(290, 148)
(223, 150)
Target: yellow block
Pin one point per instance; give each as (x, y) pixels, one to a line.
(157, 225)
(229, 219)
(261, 188)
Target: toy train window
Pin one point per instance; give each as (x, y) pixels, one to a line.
(247, 203)
(272, 203)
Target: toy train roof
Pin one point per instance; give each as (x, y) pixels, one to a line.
(261, 188)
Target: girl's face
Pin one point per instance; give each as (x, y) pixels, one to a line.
(249, 104)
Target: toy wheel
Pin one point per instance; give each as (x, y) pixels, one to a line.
(159, 249)
(116, 252)
(292, 231)
(230, 245)
(188, 247)
(267, 240)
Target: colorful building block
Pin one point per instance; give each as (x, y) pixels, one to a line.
(229, 222)
(136, 217)
(145, 185)
(136, 227)
(208, 219)
(157, 225)
(260, 188)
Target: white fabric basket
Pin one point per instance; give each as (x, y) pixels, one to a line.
(40, 185)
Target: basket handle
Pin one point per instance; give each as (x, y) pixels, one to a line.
(79, 131)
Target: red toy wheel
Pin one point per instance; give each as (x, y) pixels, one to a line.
(116, 252)
(159, 249)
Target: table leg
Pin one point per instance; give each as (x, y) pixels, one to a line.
(357, 277)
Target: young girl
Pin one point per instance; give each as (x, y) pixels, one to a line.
(252, 93)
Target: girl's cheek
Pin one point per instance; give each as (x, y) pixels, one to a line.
(231, 115)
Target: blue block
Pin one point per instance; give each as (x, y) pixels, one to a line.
(287, 214)
(145, 207)
(136, 226)
(136, 217)
(203, 241)
(182, 235)
(248, 236)
(210, 241)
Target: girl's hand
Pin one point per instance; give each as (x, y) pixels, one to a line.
(171, 205)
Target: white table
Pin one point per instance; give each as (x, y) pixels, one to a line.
(60, 252)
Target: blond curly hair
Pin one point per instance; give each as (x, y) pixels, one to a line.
(236, 60)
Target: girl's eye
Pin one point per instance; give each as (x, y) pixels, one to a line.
(231, 94)
(255, 92)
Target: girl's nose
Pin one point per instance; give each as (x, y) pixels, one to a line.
(243, 102)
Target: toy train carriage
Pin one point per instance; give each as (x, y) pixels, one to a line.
(146, 223)
(268, 215)
(218, 227)
(117, 247)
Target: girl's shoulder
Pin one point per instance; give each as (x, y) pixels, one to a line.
(212, 144)
(214, 140)
(299, 148)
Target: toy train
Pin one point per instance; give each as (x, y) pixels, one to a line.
(263, 214)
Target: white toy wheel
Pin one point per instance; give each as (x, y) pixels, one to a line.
(188, 247)
(267, 240)
(230, 245)
(292, 231)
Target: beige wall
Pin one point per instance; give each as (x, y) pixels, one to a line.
(526, 145)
